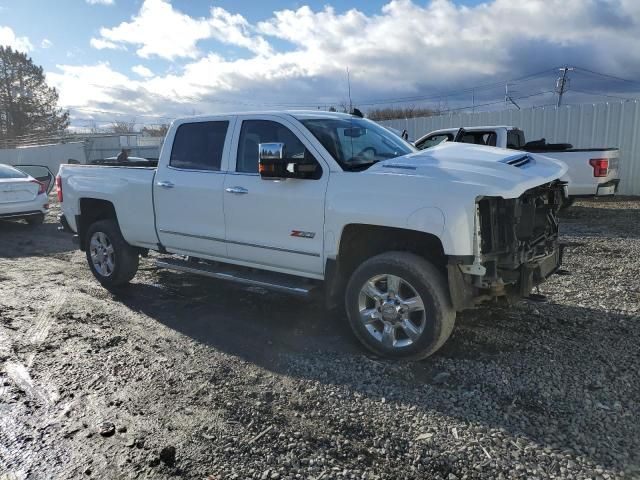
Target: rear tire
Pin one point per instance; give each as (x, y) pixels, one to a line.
(111, 259)
(35, 219)
(410, 323)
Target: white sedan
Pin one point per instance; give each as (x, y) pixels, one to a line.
(23, 196)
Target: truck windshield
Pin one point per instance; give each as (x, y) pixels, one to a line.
(357, 143)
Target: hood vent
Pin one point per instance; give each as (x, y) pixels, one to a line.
(519, 161)
(397, 165)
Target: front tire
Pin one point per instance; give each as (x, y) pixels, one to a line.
(398, 306)
(111, 259)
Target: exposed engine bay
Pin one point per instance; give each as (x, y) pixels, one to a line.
(518, 246)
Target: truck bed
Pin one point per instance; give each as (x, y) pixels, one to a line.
(129, 189)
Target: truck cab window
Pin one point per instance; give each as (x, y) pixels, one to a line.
(434, 140)
(255, 132)
(480, 138)
(515, 139)
(199, 146)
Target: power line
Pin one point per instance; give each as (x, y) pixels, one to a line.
(451, 93)
(596, 94)
(314, 104)
(368, 102)
(606, 75)
(499, 101)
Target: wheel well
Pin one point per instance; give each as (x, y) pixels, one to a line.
(361, 242)
(92, 210)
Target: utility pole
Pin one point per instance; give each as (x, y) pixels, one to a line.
(562, 84)
(507, 98)
(473, 100)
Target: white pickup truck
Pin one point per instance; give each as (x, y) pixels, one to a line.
(592, 171)
(316, 201)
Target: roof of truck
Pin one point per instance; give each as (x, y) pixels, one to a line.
(472, 129)
(294, 113)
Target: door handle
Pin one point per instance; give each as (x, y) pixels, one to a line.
(237, 190)
(165, 184)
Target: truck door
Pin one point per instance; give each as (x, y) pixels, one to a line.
(275, 223)
(188, 188)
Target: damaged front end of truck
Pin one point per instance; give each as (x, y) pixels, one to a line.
(516, 247)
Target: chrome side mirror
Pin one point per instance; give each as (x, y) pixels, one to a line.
(271, 151)
(271, 160)
(274, 164)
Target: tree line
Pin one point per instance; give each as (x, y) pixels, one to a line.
(388, 113)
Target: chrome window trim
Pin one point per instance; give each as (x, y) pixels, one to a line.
(178, 169)
(244, 174)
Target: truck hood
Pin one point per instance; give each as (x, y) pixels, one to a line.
(494, 171)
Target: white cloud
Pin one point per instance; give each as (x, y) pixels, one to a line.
(88, 85)
(407, 48)
(142, 71)
(46, 43)
(9, 38)
(100, 2)
(160, 30)
(235, 30)
(101, 44)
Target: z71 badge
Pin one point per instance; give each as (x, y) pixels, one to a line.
(301, 234)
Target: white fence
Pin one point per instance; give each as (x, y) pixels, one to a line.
(105, 146)
(48, 155)
(84, 151)
(584, 126)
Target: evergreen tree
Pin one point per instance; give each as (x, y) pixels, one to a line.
(28, 106)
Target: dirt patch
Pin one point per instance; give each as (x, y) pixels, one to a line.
(179, 376)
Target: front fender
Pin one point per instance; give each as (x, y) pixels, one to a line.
(428, 220)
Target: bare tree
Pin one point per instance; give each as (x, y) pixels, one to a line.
(122, 127)
(391, 113)
(156, 130)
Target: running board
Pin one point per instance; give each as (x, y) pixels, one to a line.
(268, 280)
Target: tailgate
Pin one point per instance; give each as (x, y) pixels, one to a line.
(13, 191)
(589, 168)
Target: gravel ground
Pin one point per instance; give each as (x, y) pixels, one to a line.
(179, 376)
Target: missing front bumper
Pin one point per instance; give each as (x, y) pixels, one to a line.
(468, 291)
(534, 273)
(517, 247)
